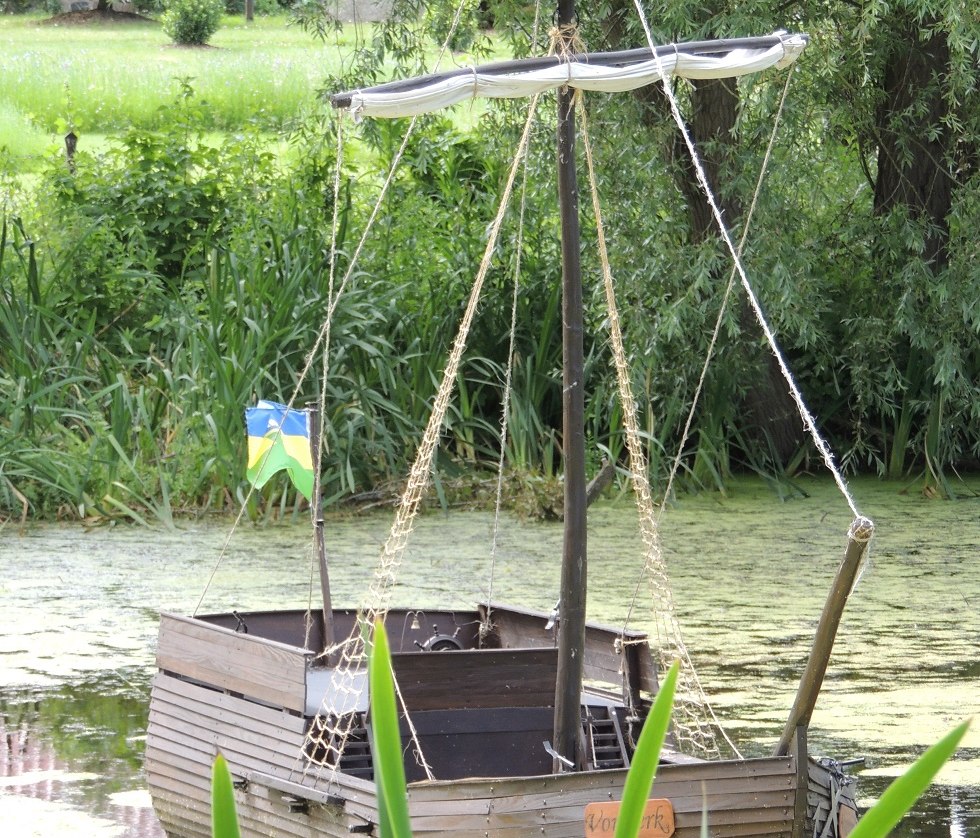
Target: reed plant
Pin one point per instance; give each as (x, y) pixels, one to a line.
(171, 278)
(224, 817)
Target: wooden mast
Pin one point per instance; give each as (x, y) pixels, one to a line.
(313, 413)
(571, 626)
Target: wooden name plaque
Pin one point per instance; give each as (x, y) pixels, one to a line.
(657, 820)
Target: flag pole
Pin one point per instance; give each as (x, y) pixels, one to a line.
(317, 511)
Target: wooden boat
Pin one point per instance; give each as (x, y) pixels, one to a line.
(482, 713)
(527, 729)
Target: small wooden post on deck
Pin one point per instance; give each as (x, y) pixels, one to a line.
(858, 537)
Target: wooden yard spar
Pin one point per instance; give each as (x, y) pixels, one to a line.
(273, 692)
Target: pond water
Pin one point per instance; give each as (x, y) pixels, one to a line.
(749, 574)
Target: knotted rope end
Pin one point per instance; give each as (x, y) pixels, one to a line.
(861, 530)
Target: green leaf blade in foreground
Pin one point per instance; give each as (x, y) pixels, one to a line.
(224, 818)
(899, 797)
(386, 745)
(639, 779)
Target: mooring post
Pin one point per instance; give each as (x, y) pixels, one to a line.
(858, 537)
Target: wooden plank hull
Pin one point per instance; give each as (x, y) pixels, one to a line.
(247, 697)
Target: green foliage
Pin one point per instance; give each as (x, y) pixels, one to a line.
(386, 745)
(444, 28)
(175, 276)
(643, 768)
(192, 22)
(224, 817)
(150, 204)
(18, 137)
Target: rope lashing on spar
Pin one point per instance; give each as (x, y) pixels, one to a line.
(861, 530)
(566, 43)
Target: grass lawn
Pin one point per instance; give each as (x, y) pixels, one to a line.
(110, 76)
(101, 78)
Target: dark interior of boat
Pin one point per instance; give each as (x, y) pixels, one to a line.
(481, 706)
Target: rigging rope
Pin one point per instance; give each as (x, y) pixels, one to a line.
(805, 414)
(486, 622)
(344, 680)
(352, 649)
(378, 599)
(675, 466)
(691, 697)
(418, 479)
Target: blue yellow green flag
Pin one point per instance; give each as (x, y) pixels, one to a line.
(278, 439)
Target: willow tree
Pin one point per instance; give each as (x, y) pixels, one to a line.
(913, 111)
(896, 89)
(865, 254)
(759, 398)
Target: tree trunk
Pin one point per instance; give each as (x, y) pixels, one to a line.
(771, 420)
(915, 143)
(714, 108)
(770, 417)
(924, 155)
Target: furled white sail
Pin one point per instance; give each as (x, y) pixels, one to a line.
(445, 91)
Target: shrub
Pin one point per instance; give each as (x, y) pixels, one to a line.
(192, 22)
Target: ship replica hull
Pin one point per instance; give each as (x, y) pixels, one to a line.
(247, 686)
